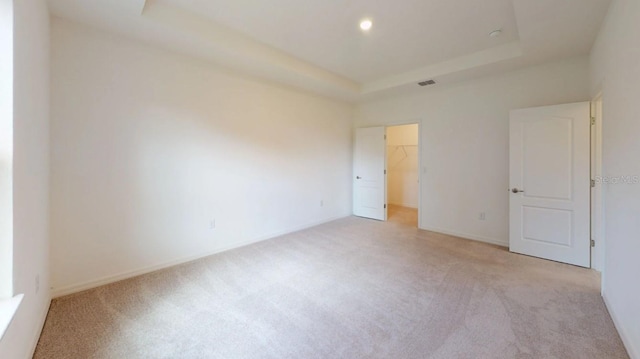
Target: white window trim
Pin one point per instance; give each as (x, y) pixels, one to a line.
(6, 150)
(8, 309)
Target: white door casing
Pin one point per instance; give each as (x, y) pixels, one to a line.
(597, 203)
(550, 162)
(369, 185)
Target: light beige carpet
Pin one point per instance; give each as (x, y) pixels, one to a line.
(353, 288)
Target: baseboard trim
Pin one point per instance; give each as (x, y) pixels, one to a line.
(467, 236)
(634, 353)
(36, 336)
(404, 205)
(75, 288)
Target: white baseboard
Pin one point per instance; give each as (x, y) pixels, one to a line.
(632, 350)
(36, 336)
(75, 288)
(404, 205)
(467, 236)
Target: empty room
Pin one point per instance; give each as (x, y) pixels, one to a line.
(319, 179)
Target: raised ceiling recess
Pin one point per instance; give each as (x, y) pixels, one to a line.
(318, 45)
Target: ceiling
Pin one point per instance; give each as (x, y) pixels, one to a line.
(406, 34)
(317, 45)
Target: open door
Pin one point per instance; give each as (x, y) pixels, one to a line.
(550, 183)
(369, 185)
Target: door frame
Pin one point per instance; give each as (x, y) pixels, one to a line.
(597, 193)
(420, 169)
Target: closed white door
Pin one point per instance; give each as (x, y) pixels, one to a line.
(369, 187)
(550, 183)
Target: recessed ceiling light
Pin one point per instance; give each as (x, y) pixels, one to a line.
(495, 33)
(366, 24)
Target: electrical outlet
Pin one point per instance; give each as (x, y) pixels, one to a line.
(321, 203)
(212, 224)
(37, 283)
(482, 216)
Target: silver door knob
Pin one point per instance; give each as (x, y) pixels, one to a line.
(515, 190)
(358, 177)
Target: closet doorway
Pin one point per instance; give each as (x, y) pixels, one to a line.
(403, 175)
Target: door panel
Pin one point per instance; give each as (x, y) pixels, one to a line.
(556, 231)
(369, 187)
(549, 167)
(547, 158)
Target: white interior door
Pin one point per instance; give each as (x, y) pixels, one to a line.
(369, 185)
(550, 183)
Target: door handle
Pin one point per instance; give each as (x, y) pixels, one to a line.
(516, 190)
(358, 177)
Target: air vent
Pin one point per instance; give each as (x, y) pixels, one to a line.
(427, 83)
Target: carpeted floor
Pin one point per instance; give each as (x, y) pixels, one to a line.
(353, 288)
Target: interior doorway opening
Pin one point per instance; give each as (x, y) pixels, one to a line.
(403, 184)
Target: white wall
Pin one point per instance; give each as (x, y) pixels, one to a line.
(465, 141)
(402, 165)
(30, 177)
(149, 146)
(615, 70)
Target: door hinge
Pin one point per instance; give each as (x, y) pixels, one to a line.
(385, 205)
(385, 137)
(593, 183)
(593, 243)
(593, 121)
(385, 171)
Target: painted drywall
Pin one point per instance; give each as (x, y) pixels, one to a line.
(402, 165)
(149, 148)
(615, 70)
(465, 141)
(30, 177)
